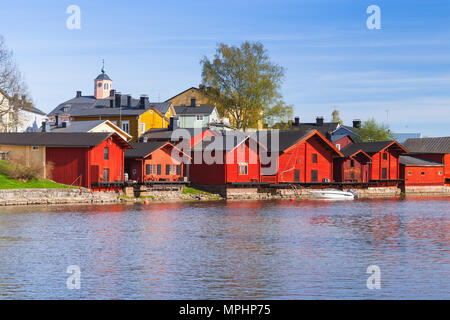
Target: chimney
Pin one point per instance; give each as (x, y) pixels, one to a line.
(78, 94)
(319, 121)
(111, 103)
(112, 93)
(193, 102)
(356, 123)
(296, 121)
(173, 125)
(118, 98)
(142, 102)
(129, 101)
(45, 126)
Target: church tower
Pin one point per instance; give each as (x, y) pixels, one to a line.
(103, 85)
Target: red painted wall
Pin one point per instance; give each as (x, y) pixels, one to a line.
(344, 141)
(227, 172)
(300, 157)
(343, 170)
(422, 176)
(68, 165)
(136, 168)
(391, 164)
(84, 166)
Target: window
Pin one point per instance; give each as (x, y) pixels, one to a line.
(3, 155)
(384, 173)
(106, 153)
(158, 169)
(199, 118)
(338, 146)
(178, 169)
(352, 175)
(150, 169)
(193, 102)
(105, 175)
(99, 85)
(171, 169)
(352, 163)
(243, 169)
(440, 173)
(143, 127)
(409, 173)
(314, 158)
(34, 148)
(385, 157)
(422, 173)
(126, 126)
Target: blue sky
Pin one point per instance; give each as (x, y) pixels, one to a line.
(331, 59)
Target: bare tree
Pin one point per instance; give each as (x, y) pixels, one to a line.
(12, 86)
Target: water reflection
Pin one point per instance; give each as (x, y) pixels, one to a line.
(227, 250)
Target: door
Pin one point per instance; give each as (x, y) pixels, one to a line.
(105, 175)
(314, 175)
(296, 175)
(384, 173)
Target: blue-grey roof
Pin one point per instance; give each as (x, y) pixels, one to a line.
(79, 126)
(103, 76)
(200, 110)
(89, 106)
(402, 137)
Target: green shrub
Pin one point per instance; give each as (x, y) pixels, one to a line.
(17, 171)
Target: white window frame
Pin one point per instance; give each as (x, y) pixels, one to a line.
(199, 117)
(127, 123)
(142, 127)
(34, 148)
(243, 169)
(338, 146)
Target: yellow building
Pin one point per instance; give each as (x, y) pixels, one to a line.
(30, 156)
(134, 116)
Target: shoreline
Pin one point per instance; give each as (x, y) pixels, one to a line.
(29, 197)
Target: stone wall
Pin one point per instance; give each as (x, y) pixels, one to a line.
(427, 191)
(55, 196)
(378, 192)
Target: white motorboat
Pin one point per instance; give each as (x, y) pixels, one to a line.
(333, 194)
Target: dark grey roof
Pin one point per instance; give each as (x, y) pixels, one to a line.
(413, 161)
(165, 134)
(222, 141)
(428, 145)
(368, 147)
(79, 126)
(141, 150)
(103, 76)
(54, 139)
(286, 138)
(89, 106)
(182, 92)
(200, 110)
(326, 127)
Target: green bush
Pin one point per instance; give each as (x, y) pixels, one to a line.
(17, 171)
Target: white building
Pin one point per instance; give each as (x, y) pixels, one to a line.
(25, 118)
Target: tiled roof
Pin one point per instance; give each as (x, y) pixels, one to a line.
(368, 147)
(326, 127)
(413, 161)
(141, 150)
(103, 76)
(286, 139)
(200, 110)
(428, 145)
(79, 126)
(53, 139)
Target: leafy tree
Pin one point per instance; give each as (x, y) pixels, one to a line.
(244, 85)
(336, 118)
(12, 86)
(372, 131)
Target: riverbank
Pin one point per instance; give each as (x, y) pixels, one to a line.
(53, 196)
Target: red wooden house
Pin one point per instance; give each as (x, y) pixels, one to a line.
(303, 156)
(421, 172)
(434, 149)
(354, 166)
(153, 161)
(384, 163)
(85, 159)
(78, 159)
(228, 157)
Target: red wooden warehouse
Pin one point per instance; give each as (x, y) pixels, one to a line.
(304, 156)
(384, 163)
(434, 149)
(153, 161)
(228, 157)
(421, 172)
(91, 160)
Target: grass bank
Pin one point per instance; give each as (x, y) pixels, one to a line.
(8, 183)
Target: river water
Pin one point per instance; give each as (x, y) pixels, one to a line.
(228, 250)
